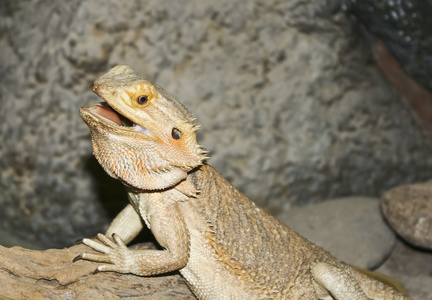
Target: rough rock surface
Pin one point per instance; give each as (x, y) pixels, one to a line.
(292, 106)
(352, 229)
(408, 210)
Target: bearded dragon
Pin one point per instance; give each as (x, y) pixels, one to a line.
(223, 244)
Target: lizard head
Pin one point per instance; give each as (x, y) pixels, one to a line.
(141, 134)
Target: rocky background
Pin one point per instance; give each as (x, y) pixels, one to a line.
(294, 109)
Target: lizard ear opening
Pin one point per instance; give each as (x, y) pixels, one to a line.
(182, 149)
(176, 133)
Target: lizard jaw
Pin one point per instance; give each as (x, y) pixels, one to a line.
(104, 113)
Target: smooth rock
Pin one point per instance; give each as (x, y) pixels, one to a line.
(352, 229)
(408, 209)
(412, 267)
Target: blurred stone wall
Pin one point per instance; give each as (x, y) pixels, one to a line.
(292, 107)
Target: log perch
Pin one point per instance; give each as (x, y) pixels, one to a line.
(51, 274)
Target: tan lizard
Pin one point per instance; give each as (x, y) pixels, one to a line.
(224, 245)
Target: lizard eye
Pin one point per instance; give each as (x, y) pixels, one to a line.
(176, 134)
(142, 99)
(142, 94)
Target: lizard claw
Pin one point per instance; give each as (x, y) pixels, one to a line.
(77, 258)
(112, 251)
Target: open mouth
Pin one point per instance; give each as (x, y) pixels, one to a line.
(109, 115)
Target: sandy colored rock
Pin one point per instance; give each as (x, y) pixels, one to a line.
(408, 210)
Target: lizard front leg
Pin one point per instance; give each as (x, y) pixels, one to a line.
(127, 224)
(168, 227)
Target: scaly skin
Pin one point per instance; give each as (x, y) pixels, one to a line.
(224, 245)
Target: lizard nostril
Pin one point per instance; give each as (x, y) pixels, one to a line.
(176, 134)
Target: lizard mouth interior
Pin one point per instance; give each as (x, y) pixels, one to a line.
(106, 112)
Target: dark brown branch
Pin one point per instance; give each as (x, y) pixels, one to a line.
(417, 98)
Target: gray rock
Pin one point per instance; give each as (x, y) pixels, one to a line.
(352, 229)
(408, 209)
(8, 239)
(293, 110)
(411, 267)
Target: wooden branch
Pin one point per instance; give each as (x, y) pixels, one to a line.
(417, 98)
(51, 274)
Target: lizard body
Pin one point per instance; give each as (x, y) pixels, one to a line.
(224, 245)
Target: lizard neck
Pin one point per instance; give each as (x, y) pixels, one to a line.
(147, 202)
(187, 187)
